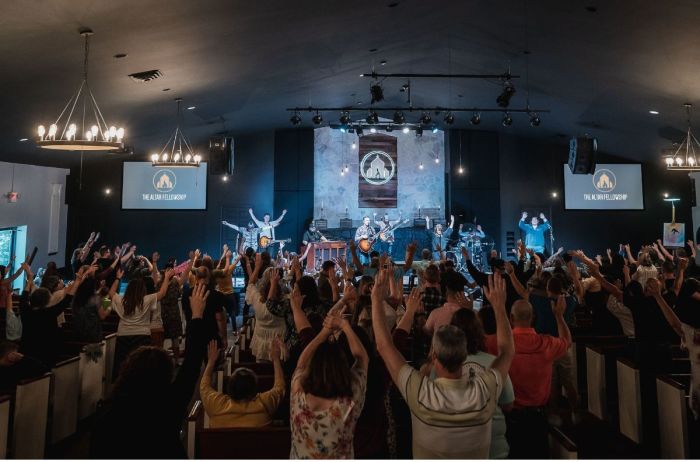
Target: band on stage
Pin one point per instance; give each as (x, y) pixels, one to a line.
(377, 234)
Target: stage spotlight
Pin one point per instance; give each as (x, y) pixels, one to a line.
(399, 118)
(224, 178)
(372, 118)
(460, 170)
(476, 119)
(419, 131)
(503, 99)
(437, 160)
(535, 120)
(377, 93)
(354, 145)
(406, 129)
(108, 191)
(295, 119)
(317, 119)
(555, 194)
(345, 118)
(426, 119)
(449, 118)
(421, 166)
(507, 120)
(343, 130)
(359, 131)
(389, 128)
(435, 129)
(373, 130)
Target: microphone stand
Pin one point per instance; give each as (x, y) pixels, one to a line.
(551, 231)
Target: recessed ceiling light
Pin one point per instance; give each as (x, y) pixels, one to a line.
(654, 112)
(372, 50)
(24, 139)
(383, 62)
(189, 108)
(120, 55)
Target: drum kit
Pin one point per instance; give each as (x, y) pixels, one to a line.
(478, 247)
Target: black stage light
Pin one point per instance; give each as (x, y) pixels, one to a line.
(507, 120)
(503, 99)
(449, 118)
(372, 118)
(535, 120)
(317, 119)
(399, 118)
(476, 119)
(295, 119)
(377, 93)
(345, 118)
(359, 131)
(426, 119)
(419, 131)
(389, 128)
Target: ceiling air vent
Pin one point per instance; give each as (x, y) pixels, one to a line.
(146, 76)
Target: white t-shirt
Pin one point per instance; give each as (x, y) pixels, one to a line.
(141, 321)
(451, 417)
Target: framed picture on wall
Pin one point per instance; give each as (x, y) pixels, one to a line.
(674, 234)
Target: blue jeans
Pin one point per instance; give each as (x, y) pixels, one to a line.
(364, 258)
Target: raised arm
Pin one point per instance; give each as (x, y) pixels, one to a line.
(682, 266)
(353, 254)
(393, 359)
(166, 283)
(114, 289)
(517, 285)
(558, 308)
(427, 222)
(301, 322)
(231, 225)
(630, 258)
(257, 222)
(279, 220)
(8, 281)
(336, 323)
(521, 224)
(663, 249)
(410, 253)
(452, 222)
(693, 252)
(495, 292)
(671, 318)
(576, 276)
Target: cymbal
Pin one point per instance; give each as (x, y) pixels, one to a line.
(468, 228)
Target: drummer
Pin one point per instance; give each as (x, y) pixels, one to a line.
(471, 232)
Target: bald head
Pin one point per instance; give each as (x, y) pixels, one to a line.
(521, 313)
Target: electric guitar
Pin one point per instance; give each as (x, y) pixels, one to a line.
(264, 242)
(387, 234)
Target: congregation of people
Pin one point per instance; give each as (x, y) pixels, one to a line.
(481, 362)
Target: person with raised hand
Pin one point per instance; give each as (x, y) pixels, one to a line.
(328, 392)
(451, 414)
(143, 416)
(242, 405)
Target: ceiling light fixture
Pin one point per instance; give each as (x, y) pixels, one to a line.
(684, 157)
(190, 108)
(295, 119)
(172, 154)
(399, 118)
(475, 119)
(406, 130)
(317, 119)
(359, 131)
(653, 112)
(372, 118)
(503, 100)
(419, 131)
(95, 134)
(450, 118)
(373, 130)
(425, 119)
(535, 120)
(376, 92)
(507, 120)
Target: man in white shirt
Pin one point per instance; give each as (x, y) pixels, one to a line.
(267, 226)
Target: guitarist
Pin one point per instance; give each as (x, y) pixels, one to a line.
(267, 227)
(387, 227)
(439, 237)
(250, 234)
(365, 232)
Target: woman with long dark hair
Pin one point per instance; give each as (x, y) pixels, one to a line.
(138, 313)
(327, 392)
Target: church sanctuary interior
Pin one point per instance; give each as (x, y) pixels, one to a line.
(391, 229)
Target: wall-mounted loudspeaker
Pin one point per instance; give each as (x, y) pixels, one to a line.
(582, 154)
(220, 155)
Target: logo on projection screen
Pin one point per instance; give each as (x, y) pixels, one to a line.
(164, 181)
(377, 167)
(604, 180)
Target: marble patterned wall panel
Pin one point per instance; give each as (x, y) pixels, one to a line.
(418, 188)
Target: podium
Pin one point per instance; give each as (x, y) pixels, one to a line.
(322, 251)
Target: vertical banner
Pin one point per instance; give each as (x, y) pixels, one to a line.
(378, 172)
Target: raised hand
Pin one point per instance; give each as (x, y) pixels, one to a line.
(653, 287)
(212, 353)
(412, 246)
(524, 215)
(463, 301)
(495, 292)
(333, 323)
(120, 273)
(682, 263)
(277, 347)
(296, 299)
(559, 307)
(542, 216)
(198, 300)
(414, 302)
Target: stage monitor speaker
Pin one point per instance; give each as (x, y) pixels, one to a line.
(321, 223)
(345, 223)
(220, 155)
(582, 154)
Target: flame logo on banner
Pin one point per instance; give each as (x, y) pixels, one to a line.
(604, 180)
(164, 181)
(377, 167)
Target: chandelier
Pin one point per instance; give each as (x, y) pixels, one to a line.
(172, 154)
(78, 134)
(684, 157)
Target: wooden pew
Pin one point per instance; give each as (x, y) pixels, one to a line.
(4, 424)
(560, 445)
(601, 380)
(110, 349)
(64, 399)
(243, 443)
(629, 400)
(91, 387)
(30, 417)
(673, 418)
(194, 422)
